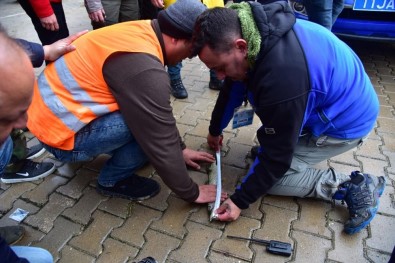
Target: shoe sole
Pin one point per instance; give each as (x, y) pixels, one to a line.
(379, 191)
(19, 239)
(37, 154)
(112, 194)
(11, 181)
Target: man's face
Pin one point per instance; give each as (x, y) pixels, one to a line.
(182, 50)
(232, 64)
(16, 90)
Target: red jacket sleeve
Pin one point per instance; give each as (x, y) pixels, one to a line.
(43, 8)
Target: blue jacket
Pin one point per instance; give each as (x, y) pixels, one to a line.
(304, 79)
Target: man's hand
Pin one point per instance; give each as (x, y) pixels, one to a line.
(50, 23)
(215, 142)
(158, 3)
(191, 156)
(98, 16)
(228, 211)
(207, 194)
(59, 48)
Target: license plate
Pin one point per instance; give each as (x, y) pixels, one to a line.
(374, 5)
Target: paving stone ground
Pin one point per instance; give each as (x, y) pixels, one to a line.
(76, 224)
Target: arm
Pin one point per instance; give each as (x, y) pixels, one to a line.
(95, 10)
(38, 53)
(142, 89)
(44, 11)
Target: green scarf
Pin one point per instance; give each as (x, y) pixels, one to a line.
(249, 30)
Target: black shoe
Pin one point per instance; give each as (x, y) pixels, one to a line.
(215, 84)
(35, 151)
(135, 188)
(30, 171)
(12, 234)
(148, 260)
(254, 152)
(361, 194)
(178, 90)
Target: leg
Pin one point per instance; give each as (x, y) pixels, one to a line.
(47, 37)
(5, 154)
(129, 10)
(177, 87)
(303, 181)
(337, 8)
(33, 254)
(111, 7)
(320, 12)
(107, 134)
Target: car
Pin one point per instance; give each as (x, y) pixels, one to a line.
(360, 19)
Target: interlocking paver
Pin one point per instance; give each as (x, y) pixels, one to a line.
(44, 219)
(29, 207)
(377, 256)
(373, 166)
(77, 184)
(348, 248)
(132, 231)
(31, 235)
(115, 251)
(72, 255)
(69, 169)
(237, 158)
(382, 231)
(82, 211)
(312, 217)
(159, 201)
(62, 231)
(117, 206)
(309, 248)
(196, 244)
(158, 245)
(237, 248)
(40, 194)
(93, 236)
(173, 219)
(12, 194)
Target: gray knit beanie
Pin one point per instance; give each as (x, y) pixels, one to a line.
(178, 20)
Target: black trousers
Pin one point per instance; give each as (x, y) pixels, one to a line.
(47, 37)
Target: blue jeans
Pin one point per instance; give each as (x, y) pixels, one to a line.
(107, 134)
(174, 71)
(5, 154)
(324, 12)
(33, 254)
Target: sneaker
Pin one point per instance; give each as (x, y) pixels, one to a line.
(12, 234)
(35, 151)
(135, 188)
(215, 84)
(178, 90)
(30, 171)
(361, 195)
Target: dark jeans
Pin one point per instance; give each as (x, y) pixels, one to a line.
(47, 37)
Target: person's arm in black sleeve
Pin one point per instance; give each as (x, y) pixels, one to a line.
(35, 51)
(278, 135)
(141, 86)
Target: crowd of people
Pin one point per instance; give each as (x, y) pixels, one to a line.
(112, 97)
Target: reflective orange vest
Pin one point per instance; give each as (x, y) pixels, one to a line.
(71, 92)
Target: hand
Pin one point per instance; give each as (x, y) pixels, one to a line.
(215, 142)
(190, 156)
(98, 16)
(158, 3)
(228, 211)
(50, 23)
(208, 193)
(59, 48)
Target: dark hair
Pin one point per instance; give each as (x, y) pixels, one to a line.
(217, 28)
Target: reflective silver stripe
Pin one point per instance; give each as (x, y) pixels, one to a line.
(78, 94)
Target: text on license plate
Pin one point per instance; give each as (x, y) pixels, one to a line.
(375, 5)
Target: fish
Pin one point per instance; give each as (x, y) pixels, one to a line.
(214, 177)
